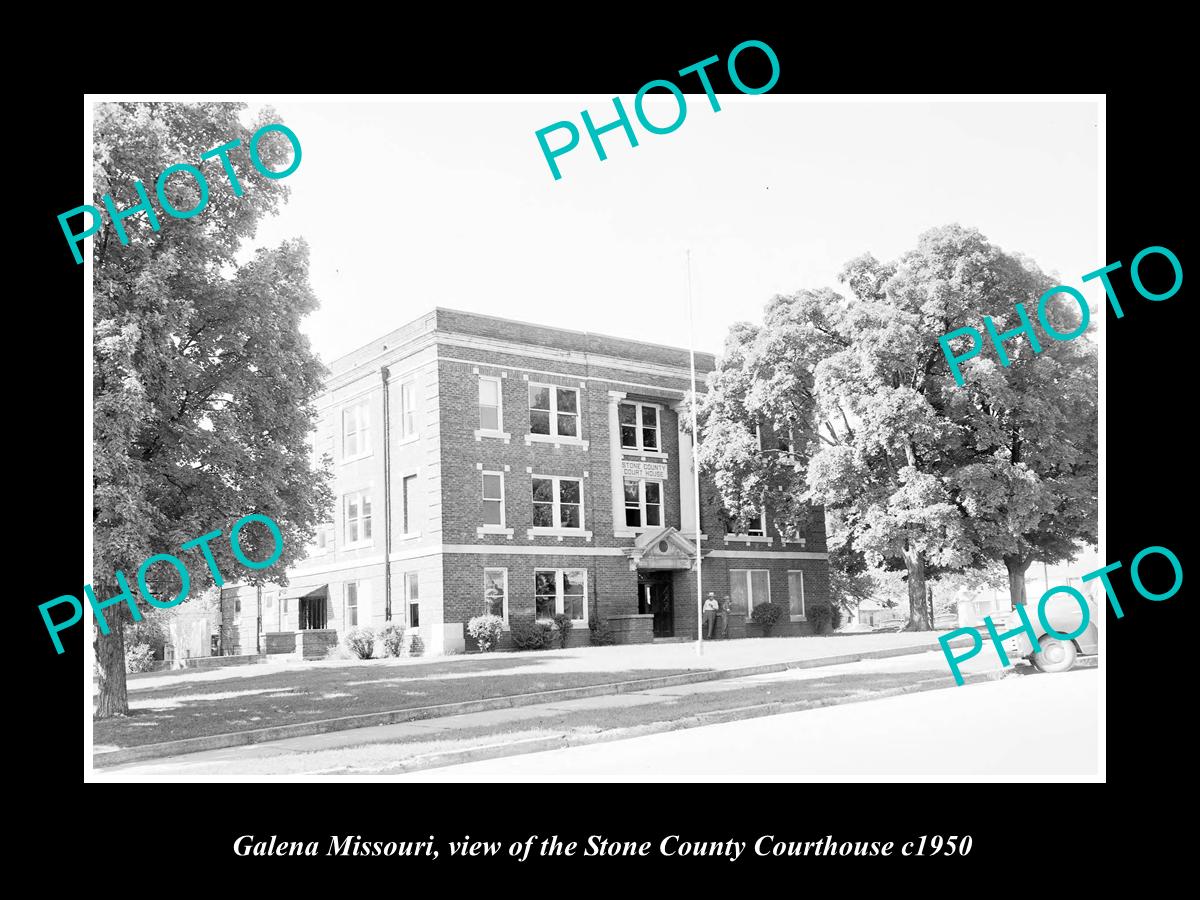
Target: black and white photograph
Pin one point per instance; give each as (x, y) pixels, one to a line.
(495, 438)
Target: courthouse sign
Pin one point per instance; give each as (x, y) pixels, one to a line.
(635, 469)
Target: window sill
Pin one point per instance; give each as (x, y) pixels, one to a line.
(634, 451)
(748, 538)
(481, 433)
(409, 536)
(361, 545)
(575, 623)
(556, 440)
(350, 459)
(408, 439)
(559, 533)
(493, 529)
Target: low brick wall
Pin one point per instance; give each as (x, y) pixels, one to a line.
(315, 643)
(279, 642)
(636, 628)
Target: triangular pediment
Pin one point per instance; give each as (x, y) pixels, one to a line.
(652, 543)
(662, 548)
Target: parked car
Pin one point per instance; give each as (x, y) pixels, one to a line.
(1052, 654)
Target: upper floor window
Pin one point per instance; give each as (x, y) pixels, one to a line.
(358, 518)
(490, 417)
(408, 512)
(408, 409)
(639, 426)
(554, 410)
(356, 435)
(755, 527)
(323, 540)
(643, 502)
(557, 502)
(493, 498)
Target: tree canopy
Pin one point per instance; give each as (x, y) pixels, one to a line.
(920, 472)
(203, 385)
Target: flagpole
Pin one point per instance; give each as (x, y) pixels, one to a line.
(695, 464)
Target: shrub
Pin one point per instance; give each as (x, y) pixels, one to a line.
(563, 623)
(836, 622)
(139, 658)
(599, 632)
(767, 614)
(391, 636)
(337, 651)
(486, 631)
(820, 616)
(360, 642)
(530, 635)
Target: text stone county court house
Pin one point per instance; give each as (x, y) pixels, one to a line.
(486, 465)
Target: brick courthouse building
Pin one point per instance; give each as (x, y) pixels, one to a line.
(482, 464)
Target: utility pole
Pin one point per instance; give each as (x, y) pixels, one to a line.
(695, 464)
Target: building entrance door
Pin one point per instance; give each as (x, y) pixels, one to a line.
(313, 611)
(655, 596)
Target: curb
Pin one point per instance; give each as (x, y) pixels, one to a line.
(717, 717)
(393, 717)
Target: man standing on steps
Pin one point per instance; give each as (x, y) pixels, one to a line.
(710, 615)
(723, 614)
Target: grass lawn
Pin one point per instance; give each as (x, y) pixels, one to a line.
(190, 708)
(406, 751)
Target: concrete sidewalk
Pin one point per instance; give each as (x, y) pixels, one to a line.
(451, 740)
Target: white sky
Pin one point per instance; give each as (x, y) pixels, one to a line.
(413, 204)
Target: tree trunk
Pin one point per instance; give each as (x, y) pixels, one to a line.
(1016, 579)
(112, 699)
(929, 605)
(917, 618)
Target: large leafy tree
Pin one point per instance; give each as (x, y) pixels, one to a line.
(1030, 478)
(203, 384)
(883, 437)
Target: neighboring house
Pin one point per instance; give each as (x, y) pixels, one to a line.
(486, 465)
(875, 614)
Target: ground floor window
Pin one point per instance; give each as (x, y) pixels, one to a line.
(796, 593)
(412, 593)
(495, 593)
(352, 604)
(749, 587)
(560, 591)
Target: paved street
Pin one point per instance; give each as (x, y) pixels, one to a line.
(1023, 726)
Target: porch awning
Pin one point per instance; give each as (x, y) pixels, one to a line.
(292, 592)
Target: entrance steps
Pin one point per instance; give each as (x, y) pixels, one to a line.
(672, 640)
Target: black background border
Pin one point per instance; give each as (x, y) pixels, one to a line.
(1148, 398)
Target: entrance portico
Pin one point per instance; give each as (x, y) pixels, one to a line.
(656, 556)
